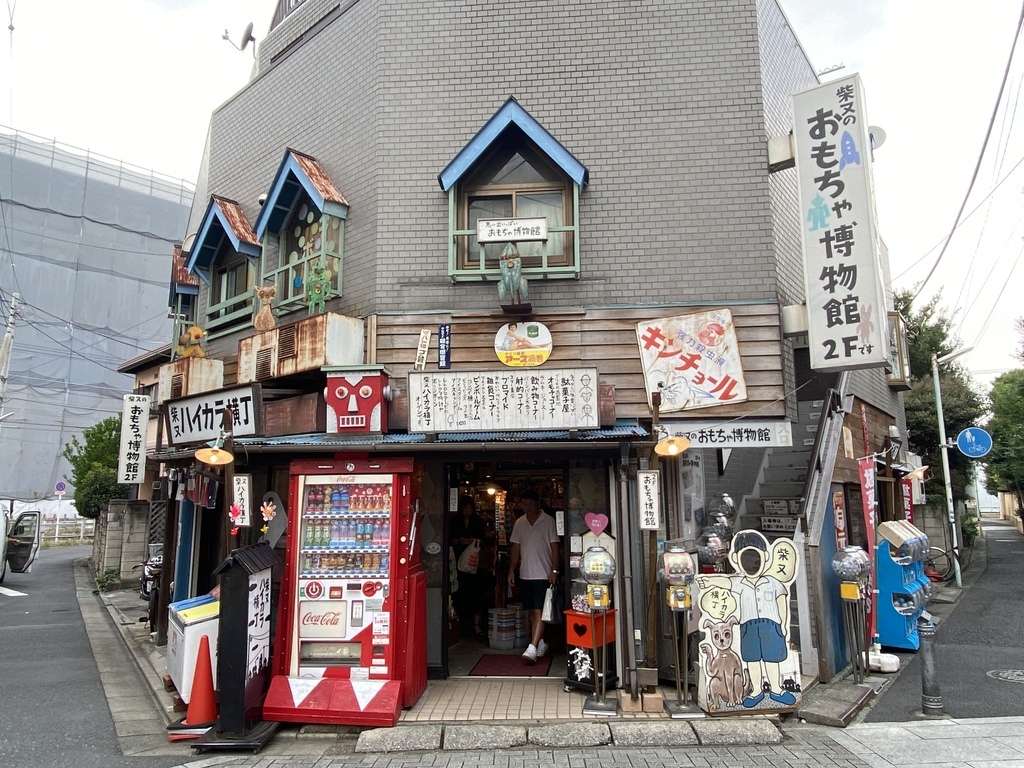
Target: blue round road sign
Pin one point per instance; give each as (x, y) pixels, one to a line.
(60, 487)
(974, 442)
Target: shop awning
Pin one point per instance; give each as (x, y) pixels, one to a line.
(585, 439)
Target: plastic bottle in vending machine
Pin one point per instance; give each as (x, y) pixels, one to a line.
(385, 533)
(335, 532)
(311, 500)
(346, 534)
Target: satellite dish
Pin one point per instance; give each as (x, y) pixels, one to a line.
(247, 36)
(246, 39)
(877, 136)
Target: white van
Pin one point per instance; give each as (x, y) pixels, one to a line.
(19, 547)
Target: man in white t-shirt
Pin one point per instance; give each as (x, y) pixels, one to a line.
(535, 550)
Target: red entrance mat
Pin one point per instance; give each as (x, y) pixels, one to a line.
(509, 665)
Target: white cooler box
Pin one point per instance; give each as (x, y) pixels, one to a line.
(187, 622)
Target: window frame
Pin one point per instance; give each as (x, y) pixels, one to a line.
(227, 314)
(564, 265)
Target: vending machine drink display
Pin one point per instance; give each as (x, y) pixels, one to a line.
(351, 642)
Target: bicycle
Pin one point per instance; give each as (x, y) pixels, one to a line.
(939, 561)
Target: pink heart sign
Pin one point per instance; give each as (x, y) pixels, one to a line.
(596, 522)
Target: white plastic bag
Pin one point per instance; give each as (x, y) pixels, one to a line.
(548, 614)
(469, 560)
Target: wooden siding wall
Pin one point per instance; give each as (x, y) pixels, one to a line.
(603, 338)
(846, 470)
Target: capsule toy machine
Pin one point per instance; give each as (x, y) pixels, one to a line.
(351, 639)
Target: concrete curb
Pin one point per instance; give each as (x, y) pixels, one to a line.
(755, 730)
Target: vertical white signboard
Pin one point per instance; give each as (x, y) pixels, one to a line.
(845, 297)
(131, 456)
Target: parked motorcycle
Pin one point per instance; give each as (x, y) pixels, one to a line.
(149, 582)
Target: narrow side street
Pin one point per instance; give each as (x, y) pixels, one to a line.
(980, 645)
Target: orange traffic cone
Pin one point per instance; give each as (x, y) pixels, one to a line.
(202, 706)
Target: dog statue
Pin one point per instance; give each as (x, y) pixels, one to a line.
(728, 678)
(265, 320)
(189, 343)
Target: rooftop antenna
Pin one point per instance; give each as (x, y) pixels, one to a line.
(833, 68)
(246, 39)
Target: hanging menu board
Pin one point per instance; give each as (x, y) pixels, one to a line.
(480, 401)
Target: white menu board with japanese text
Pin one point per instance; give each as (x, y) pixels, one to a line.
(480, 401)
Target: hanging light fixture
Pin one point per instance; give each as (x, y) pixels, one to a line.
(215, 454)
(671, 445)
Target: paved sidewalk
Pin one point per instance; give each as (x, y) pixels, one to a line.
(975, 743)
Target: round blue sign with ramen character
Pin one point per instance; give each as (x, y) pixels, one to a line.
(974, 442)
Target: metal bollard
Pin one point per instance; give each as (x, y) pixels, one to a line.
(931, 698)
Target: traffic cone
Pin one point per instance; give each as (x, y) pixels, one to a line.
(202, 706)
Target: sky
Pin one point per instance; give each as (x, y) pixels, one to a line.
(137, 80)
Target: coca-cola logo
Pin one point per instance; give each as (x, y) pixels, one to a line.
(325, 619)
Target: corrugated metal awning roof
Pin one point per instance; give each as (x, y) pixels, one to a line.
(392, 443)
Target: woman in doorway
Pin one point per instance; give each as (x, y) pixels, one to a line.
(465, 528)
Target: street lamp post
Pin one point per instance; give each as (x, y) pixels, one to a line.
(936, 359)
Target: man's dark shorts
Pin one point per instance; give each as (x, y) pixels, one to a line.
(532, 593)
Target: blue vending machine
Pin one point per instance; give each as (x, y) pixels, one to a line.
(903, 588)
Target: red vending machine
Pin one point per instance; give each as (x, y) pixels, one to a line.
(351, 636)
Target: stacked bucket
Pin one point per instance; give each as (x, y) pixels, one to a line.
(522, 629)
(502, 628)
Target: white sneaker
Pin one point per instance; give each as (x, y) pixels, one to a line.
(542, 649)
(530, 654)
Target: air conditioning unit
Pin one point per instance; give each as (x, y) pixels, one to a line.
(308, 345)
(189, 376)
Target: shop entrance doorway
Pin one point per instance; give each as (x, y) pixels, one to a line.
(487, 629)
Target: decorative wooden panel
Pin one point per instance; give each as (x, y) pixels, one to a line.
(604, 338)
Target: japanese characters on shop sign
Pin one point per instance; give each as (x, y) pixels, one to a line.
(692, 360)
(745, 433)
(511, 230)
(198, 418)
(258, 647)
(494, 400)
(131, 457)
(647, 481)
(845, 300)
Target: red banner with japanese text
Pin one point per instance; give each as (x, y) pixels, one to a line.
(866, 468)
(907, 493)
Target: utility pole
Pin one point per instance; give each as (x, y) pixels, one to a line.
(5, 354)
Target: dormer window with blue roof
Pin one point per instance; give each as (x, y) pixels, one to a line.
(223, 256)
(302, 228)
(513, 170)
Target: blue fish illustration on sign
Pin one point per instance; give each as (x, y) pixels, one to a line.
(848, 148)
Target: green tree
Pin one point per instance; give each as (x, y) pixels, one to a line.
(929, 332)
(94, 467)
(1004, 465)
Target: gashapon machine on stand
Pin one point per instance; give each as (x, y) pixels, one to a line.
(903, 589)
(676, 568)
(351, 635)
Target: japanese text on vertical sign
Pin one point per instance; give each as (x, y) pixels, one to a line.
(648, 486)
(258, 647)
(421, 350)
(241, 499)
(845, 300)
(131, 457)
(444, 346)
